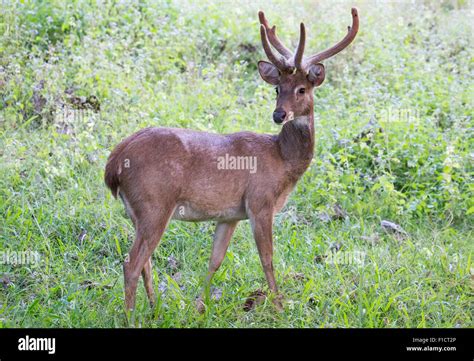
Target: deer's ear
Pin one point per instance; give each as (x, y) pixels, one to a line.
(269, 72)
(316, 74)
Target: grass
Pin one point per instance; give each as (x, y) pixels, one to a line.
(394, 142)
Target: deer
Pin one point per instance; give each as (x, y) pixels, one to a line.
(164, 174)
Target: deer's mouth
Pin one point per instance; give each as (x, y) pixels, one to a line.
(289, 118)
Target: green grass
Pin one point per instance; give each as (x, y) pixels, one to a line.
(169, 63)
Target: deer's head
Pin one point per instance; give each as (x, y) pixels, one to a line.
(293, 75)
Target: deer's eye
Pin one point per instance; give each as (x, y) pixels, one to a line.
(301, 90)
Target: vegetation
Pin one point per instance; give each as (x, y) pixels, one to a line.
(394, 128)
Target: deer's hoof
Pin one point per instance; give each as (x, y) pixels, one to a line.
(200, 306)
(278, 302)
(257, 297)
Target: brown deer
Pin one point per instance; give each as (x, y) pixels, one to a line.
(168, 173)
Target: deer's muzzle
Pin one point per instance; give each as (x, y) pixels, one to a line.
(279, 116)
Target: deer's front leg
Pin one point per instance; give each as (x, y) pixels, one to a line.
(262, 229)
(221, 242)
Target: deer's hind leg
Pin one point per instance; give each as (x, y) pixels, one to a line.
(147, 269)
(150, 226)
(148, 281)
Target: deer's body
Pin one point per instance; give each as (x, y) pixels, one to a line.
(168, 173)
(183, 164)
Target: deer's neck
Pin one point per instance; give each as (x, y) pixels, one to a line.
(296, 143)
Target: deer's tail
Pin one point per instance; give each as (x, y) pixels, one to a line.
(113, 168)
(112, 171)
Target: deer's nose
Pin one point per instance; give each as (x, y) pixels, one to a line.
(279, 116)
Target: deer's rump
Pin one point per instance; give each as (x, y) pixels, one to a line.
(113, 166)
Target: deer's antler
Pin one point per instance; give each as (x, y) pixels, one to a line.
(278, 61)
(298, 60)
(273, 38)
(344, 43)
(285, 60)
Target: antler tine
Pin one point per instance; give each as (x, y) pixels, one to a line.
(273, 38)
(300, 50)
(276, 60)
(352, 32)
